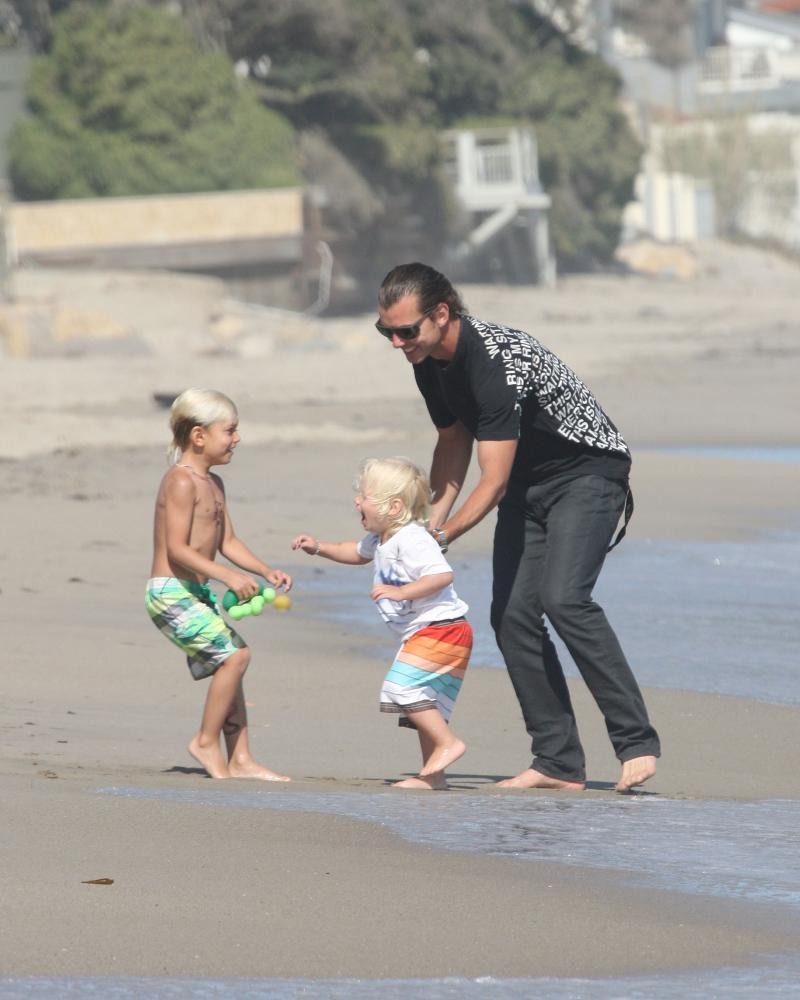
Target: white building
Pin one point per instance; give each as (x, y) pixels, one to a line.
(744, 67)
(494, 173)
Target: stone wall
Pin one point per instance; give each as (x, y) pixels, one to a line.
(36, 229)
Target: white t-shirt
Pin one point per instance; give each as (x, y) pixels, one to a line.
(409, 554)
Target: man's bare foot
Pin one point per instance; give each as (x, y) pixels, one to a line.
(443, 757)
(430, 782)
(250, 769)
(210, 758)
(535, 779)
(635, 772)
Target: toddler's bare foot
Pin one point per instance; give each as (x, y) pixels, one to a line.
(535, 779)
(250, 769)
(210, 758)
(443, 757)
(430, 782)
(635, 772)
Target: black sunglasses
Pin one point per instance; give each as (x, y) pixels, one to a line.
(409, 332)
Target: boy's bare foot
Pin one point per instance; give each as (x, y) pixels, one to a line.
(535, 779)
(443, 757)
(635, 772)
(431, 783)
(250, 769)
(210, 758)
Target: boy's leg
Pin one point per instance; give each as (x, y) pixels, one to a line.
(240, 761)
(222, 688)
(440, 747)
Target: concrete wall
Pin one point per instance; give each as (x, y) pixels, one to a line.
(60, 227)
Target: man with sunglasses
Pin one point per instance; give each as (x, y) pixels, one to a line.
(556, 468)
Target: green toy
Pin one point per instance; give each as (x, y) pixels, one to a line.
(229, 600)
(241, 609)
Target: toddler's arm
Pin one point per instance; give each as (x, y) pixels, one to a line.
(423, 587)
(341, 552)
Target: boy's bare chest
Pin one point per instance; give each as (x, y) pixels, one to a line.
(209, 505)
(209, 501)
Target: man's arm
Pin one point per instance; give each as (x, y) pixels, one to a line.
(451, 458)
(495, 459)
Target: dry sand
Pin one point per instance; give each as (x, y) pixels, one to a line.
(93, 697)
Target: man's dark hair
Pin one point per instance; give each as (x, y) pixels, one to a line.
(429, 285)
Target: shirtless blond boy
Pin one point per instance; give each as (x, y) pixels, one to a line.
(191, 526)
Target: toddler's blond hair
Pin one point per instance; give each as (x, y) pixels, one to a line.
(386, 479)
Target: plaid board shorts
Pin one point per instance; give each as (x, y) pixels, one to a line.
(188, 614)
(428, 670)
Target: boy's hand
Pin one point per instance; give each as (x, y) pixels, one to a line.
(386, 590)
(307, 543)
(243, 585)
(279, 579)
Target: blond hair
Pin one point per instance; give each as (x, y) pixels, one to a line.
(386, 479)
(196, 408)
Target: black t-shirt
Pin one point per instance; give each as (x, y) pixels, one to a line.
(502, 384)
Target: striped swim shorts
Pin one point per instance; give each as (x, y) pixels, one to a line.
(188, 614)
(428, 669)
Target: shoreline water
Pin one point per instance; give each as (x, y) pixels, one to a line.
(774, 978)
(708, 617)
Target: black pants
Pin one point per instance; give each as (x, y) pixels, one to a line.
(549, 547)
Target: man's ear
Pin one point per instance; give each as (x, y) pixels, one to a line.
(441, 314)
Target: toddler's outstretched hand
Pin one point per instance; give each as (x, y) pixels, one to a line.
(307, 543)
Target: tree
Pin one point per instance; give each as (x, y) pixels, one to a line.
(369, 85)
(352, 81)
(36, 19)
(664, 25)
(125, 103)
(589, 155)
(10, 25)
(379, 80)
(507, 62)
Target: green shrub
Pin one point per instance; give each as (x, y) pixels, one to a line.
(125, 103)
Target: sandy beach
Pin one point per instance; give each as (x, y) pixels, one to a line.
(98, 708)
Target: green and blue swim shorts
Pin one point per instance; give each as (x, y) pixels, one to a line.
(189, 615)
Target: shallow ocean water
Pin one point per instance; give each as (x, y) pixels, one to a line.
(735, 850)
(782, 454)
(717, 617)
(775, 978)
